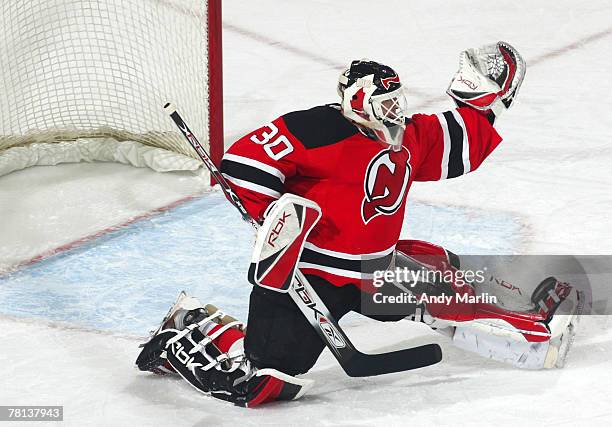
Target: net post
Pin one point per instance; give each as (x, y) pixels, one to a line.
(215, 82)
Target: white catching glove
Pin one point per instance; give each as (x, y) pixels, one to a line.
(489, 78)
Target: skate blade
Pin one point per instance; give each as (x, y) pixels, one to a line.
(559, 346)
(183, 301)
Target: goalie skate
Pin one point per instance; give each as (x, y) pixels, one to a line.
(563, 305)
(153, 354)
(153, 357)
(206, 348)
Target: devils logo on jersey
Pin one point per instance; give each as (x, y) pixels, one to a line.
(385, 184)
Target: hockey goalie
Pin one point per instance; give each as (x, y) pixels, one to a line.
(329, 186)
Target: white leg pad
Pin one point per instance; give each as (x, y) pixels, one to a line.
(522, 354)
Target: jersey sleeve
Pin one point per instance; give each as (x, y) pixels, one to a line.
(258, 165)
(452, 143)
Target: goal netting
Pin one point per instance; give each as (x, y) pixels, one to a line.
(88, 79)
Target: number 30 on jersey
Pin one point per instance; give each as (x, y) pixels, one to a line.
(276, 146)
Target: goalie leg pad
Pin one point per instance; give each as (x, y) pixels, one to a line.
(536, 339)
(499, 345)
(560, 308)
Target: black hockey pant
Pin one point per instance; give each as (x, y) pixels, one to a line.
(279, 336)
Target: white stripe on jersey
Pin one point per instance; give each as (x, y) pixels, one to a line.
(359, 257)
(447, 146)
(336, 271)
(256, 164)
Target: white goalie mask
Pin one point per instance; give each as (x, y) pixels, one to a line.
(374, 98)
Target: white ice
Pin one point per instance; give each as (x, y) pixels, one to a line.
(71, 325)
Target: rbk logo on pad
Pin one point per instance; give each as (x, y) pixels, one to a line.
(277, 229)
(385, 184)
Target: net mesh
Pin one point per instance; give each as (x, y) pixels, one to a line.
(102, 68)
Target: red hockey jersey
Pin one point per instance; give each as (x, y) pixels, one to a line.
(360, 184)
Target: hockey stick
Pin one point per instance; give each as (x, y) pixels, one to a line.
(354, 362)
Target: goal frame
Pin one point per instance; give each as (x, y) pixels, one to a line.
(215, 81)
(28, 134)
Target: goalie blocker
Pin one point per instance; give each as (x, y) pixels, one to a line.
(280, 241)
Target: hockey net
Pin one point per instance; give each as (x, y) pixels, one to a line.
(88, 79)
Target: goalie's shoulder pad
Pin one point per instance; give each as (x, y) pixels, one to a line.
(488, 78)
(280, 241)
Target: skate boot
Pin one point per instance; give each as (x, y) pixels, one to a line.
(206, 348)
(184, 312)
(561, 305)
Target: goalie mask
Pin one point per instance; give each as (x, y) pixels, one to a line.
(373, 98)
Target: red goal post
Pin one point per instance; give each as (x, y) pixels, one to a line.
(215, 78)
(88, 79)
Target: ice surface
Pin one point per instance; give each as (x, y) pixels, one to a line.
(90, 373)
(44, 208)
(69, 322)
(120, 282)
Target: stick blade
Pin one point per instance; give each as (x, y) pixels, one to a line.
(368, 365)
